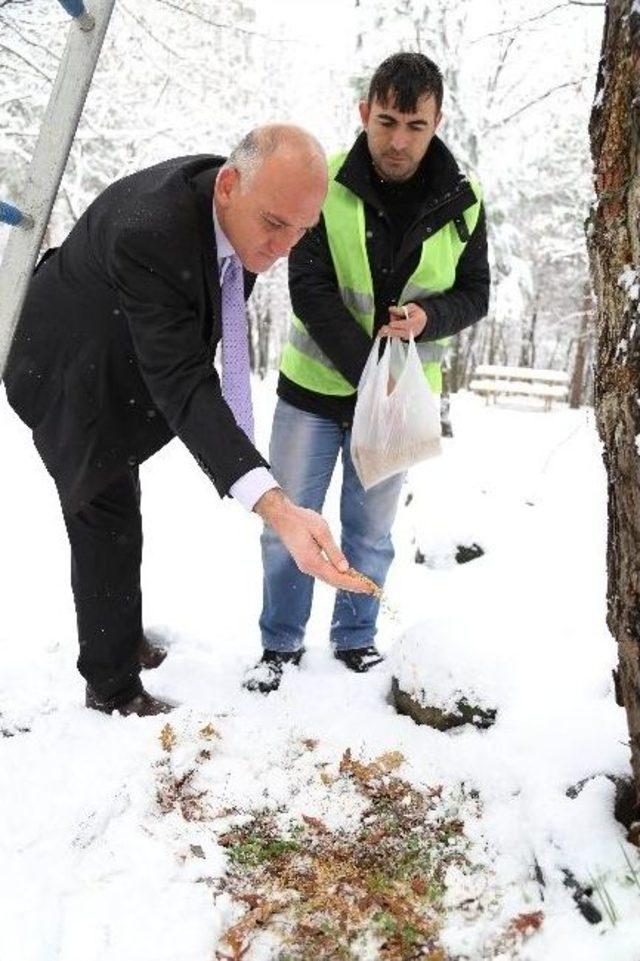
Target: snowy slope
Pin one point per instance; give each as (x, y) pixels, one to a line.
(92, 867)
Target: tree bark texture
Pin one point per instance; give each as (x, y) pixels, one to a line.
(614, 248)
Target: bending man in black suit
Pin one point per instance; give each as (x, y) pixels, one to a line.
(113, 356)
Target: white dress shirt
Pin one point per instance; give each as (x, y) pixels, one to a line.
(249, 488)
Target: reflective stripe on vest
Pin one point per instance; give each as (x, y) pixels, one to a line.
(303, 361)
(429, 351)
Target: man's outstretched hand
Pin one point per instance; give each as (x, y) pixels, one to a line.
(307, 537)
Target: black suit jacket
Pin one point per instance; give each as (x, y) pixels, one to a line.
(114, 350)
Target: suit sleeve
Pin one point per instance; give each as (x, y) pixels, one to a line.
(468, 300)
(158, 298)
(316, 301)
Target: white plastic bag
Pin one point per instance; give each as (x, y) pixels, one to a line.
(393, 429)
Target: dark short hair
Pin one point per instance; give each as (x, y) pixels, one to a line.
(404, 78)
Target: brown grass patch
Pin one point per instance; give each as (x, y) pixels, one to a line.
(322, 891)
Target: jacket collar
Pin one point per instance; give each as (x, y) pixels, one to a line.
(438, 171)
(203, 183)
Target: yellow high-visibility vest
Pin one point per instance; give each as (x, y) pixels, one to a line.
(303, 361)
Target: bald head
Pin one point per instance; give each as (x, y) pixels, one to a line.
(270, 191)
(290, 144)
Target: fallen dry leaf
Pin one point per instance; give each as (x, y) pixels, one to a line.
(209, 732)
(167, 738)
(528, 923)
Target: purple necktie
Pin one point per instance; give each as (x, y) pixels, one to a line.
(236, 384)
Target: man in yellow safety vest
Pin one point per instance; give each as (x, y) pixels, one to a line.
(400, 249)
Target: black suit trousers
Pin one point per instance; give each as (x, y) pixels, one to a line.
(106, 553)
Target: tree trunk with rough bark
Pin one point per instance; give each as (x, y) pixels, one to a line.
(614, 247)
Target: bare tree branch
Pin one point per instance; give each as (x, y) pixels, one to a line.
(32, 66)
(15, 98)
(228, 26)
(537, 17)
(72, 211)
(143, 26)
(500, 65)
(532, 103)
(25, 39)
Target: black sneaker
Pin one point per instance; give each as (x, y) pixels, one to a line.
(267, 673)
(142, 704)
(360, 659)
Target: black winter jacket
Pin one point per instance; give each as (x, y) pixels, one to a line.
(113, 354)
(314, 288)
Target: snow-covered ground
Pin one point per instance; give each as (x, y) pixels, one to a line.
(92, 868)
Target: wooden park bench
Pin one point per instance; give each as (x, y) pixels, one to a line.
(492, 380)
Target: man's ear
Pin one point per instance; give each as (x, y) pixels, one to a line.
(438, 121)
(365, 110)
(226, 183)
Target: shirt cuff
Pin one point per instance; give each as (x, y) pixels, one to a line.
(249, 488)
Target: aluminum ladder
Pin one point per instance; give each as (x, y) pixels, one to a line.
(30, 218)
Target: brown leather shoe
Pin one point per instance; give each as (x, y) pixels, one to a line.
(150, 655)
(143, 705)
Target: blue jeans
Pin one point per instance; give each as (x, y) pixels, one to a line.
(303, 452)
